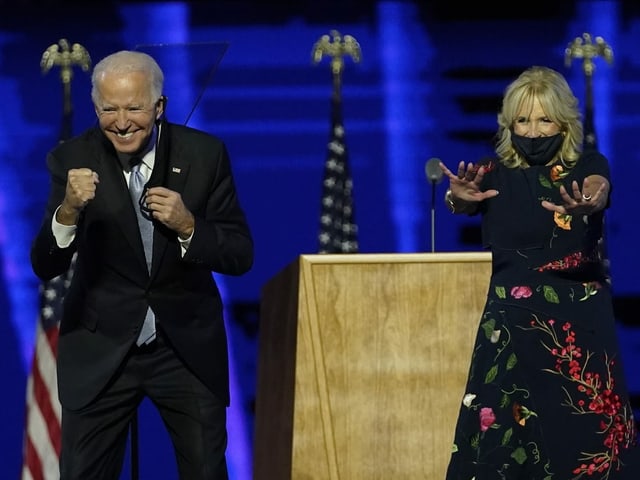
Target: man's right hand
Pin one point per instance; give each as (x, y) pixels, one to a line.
(80, 190)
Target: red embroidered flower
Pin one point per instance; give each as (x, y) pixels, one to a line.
(594, 394)
(570, 262)
(489, 166)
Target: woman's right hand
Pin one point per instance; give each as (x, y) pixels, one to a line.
(465, 185)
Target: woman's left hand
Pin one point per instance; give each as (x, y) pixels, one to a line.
(591, 198)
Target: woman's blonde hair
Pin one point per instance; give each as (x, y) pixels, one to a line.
(559, 104)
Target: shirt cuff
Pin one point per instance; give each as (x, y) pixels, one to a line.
(64, 234)
(184, 244)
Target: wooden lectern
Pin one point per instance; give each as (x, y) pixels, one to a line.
(362, 364)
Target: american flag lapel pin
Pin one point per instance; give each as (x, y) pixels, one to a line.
(176, 170)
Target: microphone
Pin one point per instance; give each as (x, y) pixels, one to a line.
(433, 171)
(434, 175)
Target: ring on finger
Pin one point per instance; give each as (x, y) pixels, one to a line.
(586, 198)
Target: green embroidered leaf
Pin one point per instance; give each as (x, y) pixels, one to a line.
(511, 361)
(475, 441)
(491, 374)
(504, 401)
(488, 327)
(454, 448)
(519, 455)
(501, 292)
(507, 436)
(550, 294)
(544, 181)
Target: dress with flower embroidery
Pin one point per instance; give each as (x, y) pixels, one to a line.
(545, 397)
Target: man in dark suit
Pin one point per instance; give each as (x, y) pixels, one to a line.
(105, 366)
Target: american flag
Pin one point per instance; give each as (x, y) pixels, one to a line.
(338, 231)
(42, 437)
(41, 449)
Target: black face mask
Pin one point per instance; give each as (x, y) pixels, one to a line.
(539, 150)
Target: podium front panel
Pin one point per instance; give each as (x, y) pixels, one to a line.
(362, 364)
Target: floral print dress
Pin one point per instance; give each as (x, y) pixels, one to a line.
(545, 397)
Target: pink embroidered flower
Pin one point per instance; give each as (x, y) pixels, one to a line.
(487, 418)
(521, 292)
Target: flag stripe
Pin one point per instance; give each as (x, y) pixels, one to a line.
(45, 389)
(43, 411)
(43, 419)
(32, 463)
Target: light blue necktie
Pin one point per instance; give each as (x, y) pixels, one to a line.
(136, 189)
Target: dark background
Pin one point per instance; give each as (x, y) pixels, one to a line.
(429, 85)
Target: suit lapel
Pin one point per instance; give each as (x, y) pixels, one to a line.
(169, 171)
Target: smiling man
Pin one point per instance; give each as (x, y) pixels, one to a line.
(143, 316)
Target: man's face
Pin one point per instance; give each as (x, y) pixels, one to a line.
(125, 110)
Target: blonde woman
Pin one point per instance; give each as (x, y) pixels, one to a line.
(546, 395)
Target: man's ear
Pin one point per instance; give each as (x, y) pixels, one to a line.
(161, 107)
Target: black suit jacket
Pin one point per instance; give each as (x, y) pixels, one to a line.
(105, 304)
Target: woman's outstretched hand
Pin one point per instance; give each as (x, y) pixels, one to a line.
(465, 185)
(590, 199)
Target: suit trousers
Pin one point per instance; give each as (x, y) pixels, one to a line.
(94, 438)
